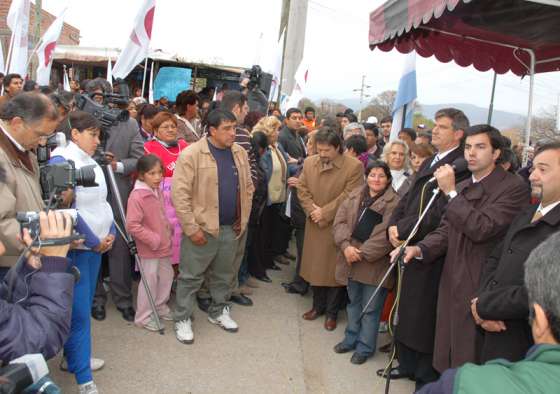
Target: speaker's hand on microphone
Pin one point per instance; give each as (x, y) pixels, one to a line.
(410, 252)
(445, 176)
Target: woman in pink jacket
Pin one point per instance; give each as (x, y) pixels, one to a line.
(148, 225)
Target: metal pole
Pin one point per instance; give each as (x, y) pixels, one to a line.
(403, 116)
(144, 78)
(361, 98)
(128, 239)
(530, 106)
(491, 107)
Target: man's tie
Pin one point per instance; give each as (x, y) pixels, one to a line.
(537, 216)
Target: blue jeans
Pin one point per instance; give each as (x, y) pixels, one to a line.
(362, 335)
(77, 349)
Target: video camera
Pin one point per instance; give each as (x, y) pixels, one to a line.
(254, 74)
(107, 116)
(30, 221)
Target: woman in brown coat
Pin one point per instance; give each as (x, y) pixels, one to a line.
(326, 180)
(360, 234)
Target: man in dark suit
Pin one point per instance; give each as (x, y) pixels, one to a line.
(124, 147)
(289, 138)
(478, 214)
(501, 307)
(417, 309)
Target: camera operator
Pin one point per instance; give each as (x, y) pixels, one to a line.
(39, 321)
(250, 86)
(96, 222)
(124, 146)
(24, 121)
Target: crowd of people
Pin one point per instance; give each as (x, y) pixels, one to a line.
(214, 192)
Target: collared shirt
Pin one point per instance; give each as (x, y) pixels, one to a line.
(474, 180)
(548, 208)
(16, 144)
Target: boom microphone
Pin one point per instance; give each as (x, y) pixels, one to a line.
(459, 165)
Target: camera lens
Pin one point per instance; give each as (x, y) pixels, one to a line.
(85, 176)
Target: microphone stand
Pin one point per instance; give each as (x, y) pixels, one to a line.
(131, 245)
(399, 259)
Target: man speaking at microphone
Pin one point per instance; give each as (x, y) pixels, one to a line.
(418, 302)
(478, 214)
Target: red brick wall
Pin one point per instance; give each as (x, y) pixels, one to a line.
(70, 35)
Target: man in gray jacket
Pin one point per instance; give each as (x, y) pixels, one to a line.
(124, 147)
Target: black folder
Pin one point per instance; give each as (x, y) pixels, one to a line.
(366, 223)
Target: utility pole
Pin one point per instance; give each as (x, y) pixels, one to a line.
(491, 107)
(363, 95)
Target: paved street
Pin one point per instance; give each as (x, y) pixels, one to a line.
(275, 351)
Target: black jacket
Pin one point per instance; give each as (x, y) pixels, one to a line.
(417, 309)
(502, 294)
(39, 322)
(292, 143)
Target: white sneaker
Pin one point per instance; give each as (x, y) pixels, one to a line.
(87, 388)
(166, 317)
(184, 332)
(94, 363)
(151, 325)
(225, 321)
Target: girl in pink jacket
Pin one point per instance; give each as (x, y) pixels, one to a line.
(148, 225)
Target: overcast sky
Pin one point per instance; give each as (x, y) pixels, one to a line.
(336, 45)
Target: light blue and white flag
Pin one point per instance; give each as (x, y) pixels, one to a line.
(406, 95)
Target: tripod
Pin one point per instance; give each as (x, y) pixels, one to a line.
(130, 243)
(398, 260)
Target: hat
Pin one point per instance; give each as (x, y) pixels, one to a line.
(372, 119)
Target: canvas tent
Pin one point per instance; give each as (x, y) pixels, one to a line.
(521, 36)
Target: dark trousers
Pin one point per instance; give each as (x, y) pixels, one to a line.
(298, 280)
(257, 257)
(280, 230)
(328, 300)
(417, 365)
(120, 272)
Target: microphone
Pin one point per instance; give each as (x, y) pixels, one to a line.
(459, 165)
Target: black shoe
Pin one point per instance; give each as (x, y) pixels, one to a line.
(386, 348)
(203, 303)
(358, 359)
(394, 374)
(292, 288)
(341, 348)
(98, 312)
(275, 268)
(280, 259)
(127, 313)
(241, 299)
(264, 278)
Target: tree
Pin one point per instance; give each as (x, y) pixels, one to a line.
(421, 119)
(381, 105)
(543, 126)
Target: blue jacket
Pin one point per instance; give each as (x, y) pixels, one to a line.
(37, 319)
(266, 164)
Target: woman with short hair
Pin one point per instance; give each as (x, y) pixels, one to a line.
(396, 155)
(167, 145)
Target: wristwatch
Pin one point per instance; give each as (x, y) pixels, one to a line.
(452, 194)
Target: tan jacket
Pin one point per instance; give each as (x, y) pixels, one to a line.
(326, 187)
(20, 192)
(194, 190)
(375, 251)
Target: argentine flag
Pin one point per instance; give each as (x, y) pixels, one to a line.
(404, 102)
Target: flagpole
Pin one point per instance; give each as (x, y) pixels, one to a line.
(144, 79)
(403, 117)
(33, 53)
(9, 57)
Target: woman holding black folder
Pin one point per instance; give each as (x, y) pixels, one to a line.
(360, 234)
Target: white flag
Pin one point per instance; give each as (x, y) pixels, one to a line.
(109, 72)
(46, 50)
(300, 77)
(276, 69)
(18, 22)
(66, 82)
(138, 43)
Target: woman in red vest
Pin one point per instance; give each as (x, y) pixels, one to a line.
(167, 147)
